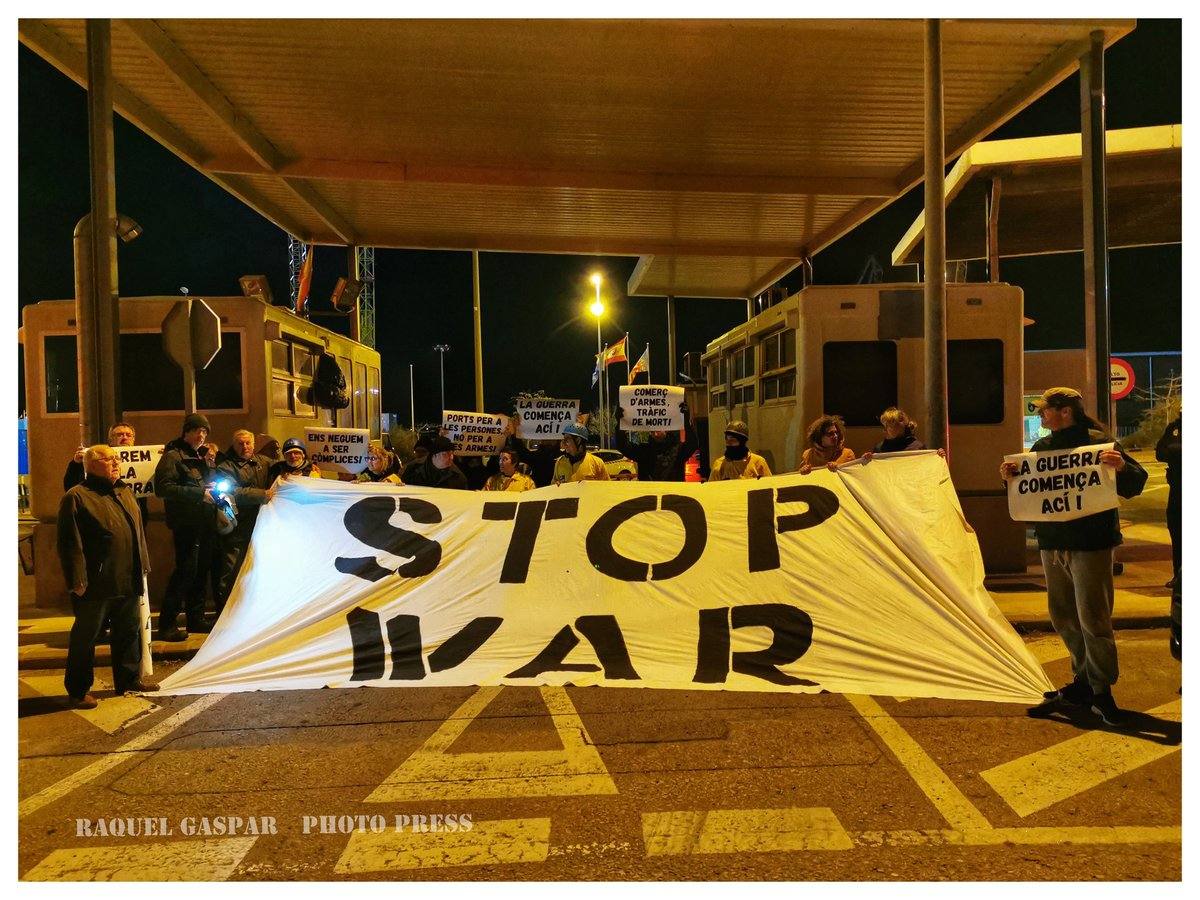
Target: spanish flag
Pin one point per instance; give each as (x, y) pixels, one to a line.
(642, 365)
(305, 280)
(616, 353)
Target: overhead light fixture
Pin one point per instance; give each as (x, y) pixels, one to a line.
(256, 288)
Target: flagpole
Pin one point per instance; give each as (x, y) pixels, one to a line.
(627, 357)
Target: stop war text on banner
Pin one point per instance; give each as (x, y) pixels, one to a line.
(137, 466)
(1061, 485)
(475, 434)
(651, 407)
(543, 418)
(344, 450)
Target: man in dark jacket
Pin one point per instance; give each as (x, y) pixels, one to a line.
(102, 548)
(244, 476)
(182, 481)
(438, 468)
(663, 457)
(1077, 557)
(1170, 451)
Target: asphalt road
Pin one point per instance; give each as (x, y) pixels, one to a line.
(602, 783)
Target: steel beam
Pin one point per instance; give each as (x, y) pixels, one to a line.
(98, 315)
(1095, 225)
(935, 240)
(478, 331)
(672, 368)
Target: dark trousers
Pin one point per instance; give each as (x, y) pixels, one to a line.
(125, 644)
(233, 553)
(185, 589)
(1175, 525)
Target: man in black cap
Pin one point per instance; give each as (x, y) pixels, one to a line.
(1077, 557)
(182, 481)
(104, 559)
(438, 468)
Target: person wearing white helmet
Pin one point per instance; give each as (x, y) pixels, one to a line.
(576, 464)
(738, 461)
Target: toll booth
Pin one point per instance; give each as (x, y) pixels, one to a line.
(855, 350)
(261, 380)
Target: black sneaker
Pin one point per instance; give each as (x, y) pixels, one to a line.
(1077, 693)
(1106, 708)
(172, 636)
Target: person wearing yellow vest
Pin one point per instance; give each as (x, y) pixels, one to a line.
(510, 478)
(738, 461)
(576, 464)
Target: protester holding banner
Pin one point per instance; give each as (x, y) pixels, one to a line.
(738, 461)
(382, 466)
(576, 464)
(826, 445)
(295, 462)
(1077, 556)
(102, 548)
(664, 456)
(181, 480)
(438, 468)
(509, 478)
(248, 476)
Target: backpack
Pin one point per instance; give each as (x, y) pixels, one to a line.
(329, 386)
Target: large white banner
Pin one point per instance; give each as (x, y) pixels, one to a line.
(475, 434)
(138, 465)
(340, 450)
(867, 581)
(1060, 485)
(650, 407)
(543, 419)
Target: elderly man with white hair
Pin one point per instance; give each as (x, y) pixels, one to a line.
(102, 548)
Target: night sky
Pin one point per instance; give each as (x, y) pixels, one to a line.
(536, 334)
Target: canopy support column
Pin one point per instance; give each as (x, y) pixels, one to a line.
(672, 368)
(935, 240)
(478, 331)
(98, 315)
(353, 274)
(993, 230)
(1095, 226)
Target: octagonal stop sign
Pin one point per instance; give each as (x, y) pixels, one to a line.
(191, 334)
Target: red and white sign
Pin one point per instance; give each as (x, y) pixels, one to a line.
(1121, 374)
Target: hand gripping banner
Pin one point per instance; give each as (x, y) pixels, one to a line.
(866, 580)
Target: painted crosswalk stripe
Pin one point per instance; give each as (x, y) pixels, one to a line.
(1072, 834)
(95, 769)
(432, 772)
(194, 860)
(743, 831)
(488, 843)
(113, 713)
(929, 777)
(1038, 780)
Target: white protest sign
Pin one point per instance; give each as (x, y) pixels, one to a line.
(341, 450)
(1060, 485)
(650, 407)
(475, 434)
(400, 586)
(138, 465)
(543, 419)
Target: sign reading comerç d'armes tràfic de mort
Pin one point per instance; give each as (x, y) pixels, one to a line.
(861, 581)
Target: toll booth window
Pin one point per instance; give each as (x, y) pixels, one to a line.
(150, 380)
(860, 379)
(743, 393)
(779, 365)
(345, 416)
(975, 381)
(717, 370)
(360, 395)
(219, 386)
(743, 363)
(293, 365)
(62, 375)
(373, 401)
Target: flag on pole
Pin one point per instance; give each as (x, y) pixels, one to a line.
(642, 365)
(305, 281)
(596, 371)
(616, 353)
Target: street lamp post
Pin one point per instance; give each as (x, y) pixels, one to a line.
(441, 349)
(597, 310)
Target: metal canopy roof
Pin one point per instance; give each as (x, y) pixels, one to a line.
(1040, 202)
(726, 150)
